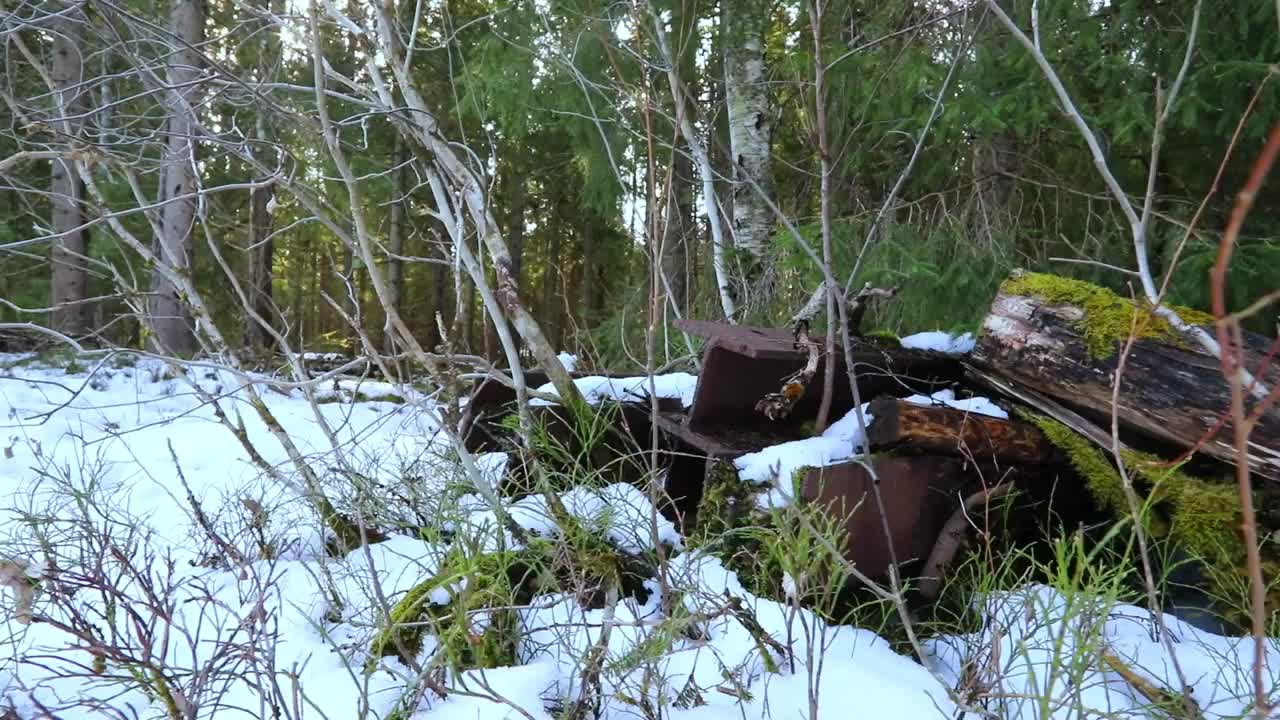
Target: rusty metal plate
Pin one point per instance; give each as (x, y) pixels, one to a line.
(919, 494)
(731, 383)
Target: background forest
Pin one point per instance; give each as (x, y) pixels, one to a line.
(564, 112)
(233, 211)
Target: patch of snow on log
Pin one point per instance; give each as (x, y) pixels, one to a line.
(976, 405)
(940, 341)
(596, 389)
(569, 361)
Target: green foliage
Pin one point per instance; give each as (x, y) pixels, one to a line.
(552, 99)
(475, 627)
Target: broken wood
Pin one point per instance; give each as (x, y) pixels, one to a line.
(949, 540)
(943, 430)
(1171, 390)
(778, 405)
(857, 306)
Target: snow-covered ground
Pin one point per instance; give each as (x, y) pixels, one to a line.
(109, 453)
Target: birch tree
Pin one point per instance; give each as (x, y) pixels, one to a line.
(743, 26)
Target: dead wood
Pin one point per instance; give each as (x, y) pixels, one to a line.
(1171, 391)
(903, 425)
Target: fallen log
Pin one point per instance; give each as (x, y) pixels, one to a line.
(943, 430)
(1062, 338)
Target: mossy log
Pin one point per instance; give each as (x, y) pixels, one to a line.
(901, 425)
(1062, 337)
(1201, 515)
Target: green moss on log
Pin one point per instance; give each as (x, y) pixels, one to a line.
(1201, 515)
(728, 503)
(1108, 317)
(884, 339)
(1100, 476)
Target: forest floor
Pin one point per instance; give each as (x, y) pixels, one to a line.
(114, 456)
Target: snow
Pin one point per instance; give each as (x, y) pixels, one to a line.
(1031, 641)
(977, 405)
(777, 464)
(940, 341)
(619, 512)
(596, 389)
(569, 361)
(70, 436)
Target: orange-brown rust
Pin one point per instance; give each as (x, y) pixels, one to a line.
(943, 430)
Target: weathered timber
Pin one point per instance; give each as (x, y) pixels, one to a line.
(1044, 405)
(1171, 391)
(943, 430)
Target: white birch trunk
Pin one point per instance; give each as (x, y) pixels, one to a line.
(750, 133)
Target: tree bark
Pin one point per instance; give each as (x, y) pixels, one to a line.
(425, 131)
(261, 257)
(71, 315)
(592, 228)
(551, 297)
(706, 173)
(943, 430)
(1171, 391)
(261, 245)
(463, 291)
(349, 296)
(439, 293)
(676, 231)
(750, 138)
(298, 312)
(396, 229)
(170, 317)
(518, 194)
(515, 195)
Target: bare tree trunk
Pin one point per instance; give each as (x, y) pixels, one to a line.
(439, 293)
(515, 187)
(551, 283)
(591, 233)
(679, 227)
(395, 239)
(299, 280)
(350, 295)
(70, 313)
(517, 194)
(463, 291)
(995, 157)
(170, 316)
(703, 161)
(261, 257)
(750, 136)
(425, 130)
(261, 249)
